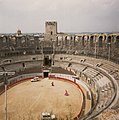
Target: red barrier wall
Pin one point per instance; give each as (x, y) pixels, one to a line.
(53, 77)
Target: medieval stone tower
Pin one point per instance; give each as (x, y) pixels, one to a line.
(50, 31)
(50, 37)
(49, 46)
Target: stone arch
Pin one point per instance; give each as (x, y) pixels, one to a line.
(104, 38)
(4, 39)
(86, 40)
(13, 40)
(80, 38)
(71, 37)
(73, 41)
(23, 40)
(92, 41)
(109, 38)
(56, 42)
(10, 41)
(109, 41)
(76, 38)
(86, 37)
(65, 40)
(68, 40)
(60, 38)
(100, 41)
(117, 42)
(83, 41)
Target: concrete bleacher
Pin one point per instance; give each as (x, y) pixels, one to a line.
(80, 66)
(19, 66)
(91, 68)
(21, 58)
(16, 64)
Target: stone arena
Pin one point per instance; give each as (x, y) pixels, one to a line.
(40, 96)
(84, 65)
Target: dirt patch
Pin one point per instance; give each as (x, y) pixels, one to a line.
(30, 99)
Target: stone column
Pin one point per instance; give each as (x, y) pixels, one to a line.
(65, 41)
(18, 41)
(1, 42)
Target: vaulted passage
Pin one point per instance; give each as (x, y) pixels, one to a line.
(117, 42)
(100, 41)
(92, 41)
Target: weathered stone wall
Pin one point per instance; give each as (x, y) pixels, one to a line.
(105, 45)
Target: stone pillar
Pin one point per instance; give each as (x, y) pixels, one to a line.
(105, 45)
(62, 42)
(96, 46)
(80, 43)
(36, 42)
(86, 43)
(0, 42)
(65, 41)
(76, 42)
(91, 41)
(27, 41)
(4, 41)
(18, 41)
(70, 42)
(83, 42)
(56, 43)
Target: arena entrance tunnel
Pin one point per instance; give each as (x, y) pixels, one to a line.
(45, 73)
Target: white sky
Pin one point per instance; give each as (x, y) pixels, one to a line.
(71, 15)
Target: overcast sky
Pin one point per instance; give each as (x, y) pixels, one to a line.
(71, 15)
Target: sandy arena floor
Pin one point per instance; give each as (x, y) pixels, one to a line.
(29, 99)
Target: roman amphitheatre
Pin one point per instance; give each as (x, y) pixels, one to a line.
(78, 75)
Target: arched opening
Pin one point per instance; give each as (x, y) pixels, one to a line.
(65, 42)
(109, 39)
(71, 37)
(91, 41)
(83, 41)
(56, 41)
(100, 41)
(60, 38)
(74, 40)
(68, 40)
(117, 42)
